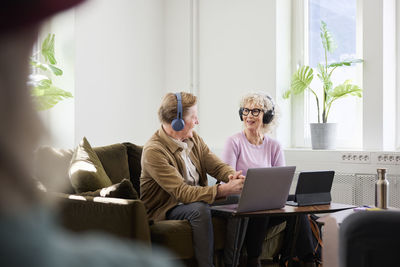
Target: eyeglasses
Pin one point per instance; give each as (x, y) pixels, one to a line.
(255, 112)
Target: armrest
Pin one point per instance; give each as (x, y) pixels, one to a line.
(122, 217)
(330, 233)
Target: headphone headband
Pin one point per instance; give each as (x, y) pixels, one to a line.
(179, 105)
(178, 123)
(272, 101)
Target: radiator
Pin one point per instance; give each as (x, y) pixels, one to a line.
(359, 189)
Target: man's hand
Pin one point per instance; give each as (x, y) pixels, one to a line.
(233, 187)
(237, 175)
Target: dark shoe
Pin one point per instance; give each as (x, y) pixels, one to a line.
(253, 262)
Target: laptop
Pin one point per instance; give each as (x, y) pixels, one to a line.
(313, 188)
(263, 189)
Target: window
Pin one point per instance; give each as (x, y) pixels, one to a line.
(340, 17)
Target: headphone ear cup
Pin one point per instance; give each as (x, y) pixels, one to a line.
(178, 124)
(268, 116)
(241, 114)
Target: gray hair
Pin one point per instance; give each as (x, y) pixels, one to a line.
(168, 108)
(264, 101)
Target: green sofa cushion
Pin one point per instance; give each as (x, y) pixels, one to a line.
(86, 171)
(114, 159)
(176, 235)
(123, 189)
(124, 218)
(135, 168)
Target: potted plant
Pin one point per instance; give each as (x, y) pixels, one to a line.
(323, 134)
(44, 92)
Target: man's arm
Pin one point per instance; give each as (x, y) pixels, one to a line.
(160, 166)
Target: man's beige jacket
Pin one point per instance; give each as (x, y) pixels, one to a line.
(161, 183)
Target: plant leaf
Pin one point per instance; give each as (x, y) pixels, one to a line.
(46, 67)
(345, 89)
(56, 71)
(286, 94)
(39, 65)
(37, 80)
(44, 84)
(47, 95)
(48, 49)
(327, 39)
(301, 79)
(347, 62)
(324, 77)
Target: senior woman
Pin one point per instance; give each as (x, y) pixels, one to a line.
(175, 164)
(253, 148)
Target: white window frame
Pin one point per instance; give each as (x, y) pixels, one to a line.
(299, 103)
(381, 119)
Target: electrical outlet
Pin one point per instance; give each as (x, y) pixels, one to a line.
(386, 158)
(356, 157)
(397, 159)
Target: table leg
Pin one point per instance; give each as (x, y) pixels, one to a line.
(290, 240)
(294, 240)
(239, 236)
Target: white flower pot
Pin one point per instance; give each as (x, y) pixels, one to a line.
(323, 135)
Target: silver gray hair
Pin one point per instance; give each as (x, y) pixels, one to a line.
(264, 101)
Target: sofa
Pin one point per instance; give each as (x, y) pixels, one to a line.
(120, 212)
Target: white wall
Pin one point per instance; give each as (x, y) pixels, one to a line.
(60, 120)
(178, 46)
(236, 55)
(221, 50)
(128, 54)
(232, 51)
(119, 70)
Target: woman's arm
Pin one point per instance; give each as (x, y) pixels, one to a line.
(230, 153)
(213, 165)
(278, 158)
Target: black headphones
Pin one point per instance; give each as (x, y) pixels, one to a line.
(178, 123)
(268, 115)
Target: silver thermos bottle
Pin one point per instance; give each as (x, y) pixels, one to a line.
(381, 190)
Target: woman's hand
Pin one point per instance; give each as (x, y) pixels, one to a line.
(233, 187)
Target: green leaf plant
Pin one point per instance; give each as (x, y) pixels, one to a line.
(303, 77)
(45, 94)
